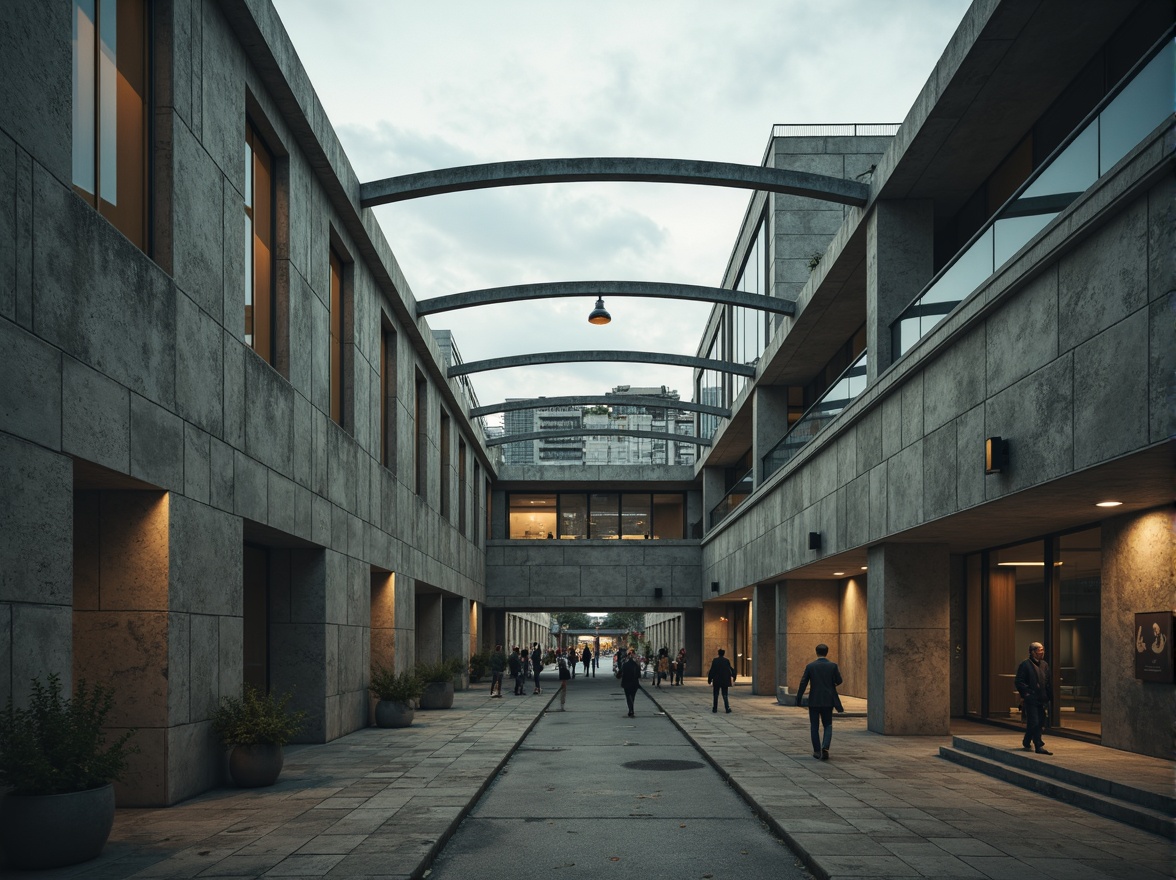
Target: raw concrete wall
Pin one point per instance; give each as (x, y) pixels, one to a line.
(592, 575)
(1139, 570)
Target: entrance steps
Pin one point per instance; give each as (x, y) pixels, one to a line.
(1133, 789)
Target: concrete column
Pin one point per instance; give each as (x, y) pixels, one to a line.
(763, 657)
(769, 415)
(853, 640)
(900, 248)
(36, 587)
(1137, 554)
(692, 641)
(908, 607)
(302, 656)
(404, 643)
(429, 628)
(808, 616)
(455, 627)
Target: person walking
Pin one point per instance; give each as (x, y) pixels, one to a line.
(497, 667)
(570, 659)
(536, 665)
(824, 676)
(564, 675)
(680, 666)
(587, 658)
(661, 671)
(630, 678)
(720, 676)
(515, 664)
(1036, 690)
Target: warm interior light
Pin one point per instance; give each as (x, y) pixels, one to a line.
(865, 568)
(838, 574)
(599, 315)
(1026, 564)
(1109, 504)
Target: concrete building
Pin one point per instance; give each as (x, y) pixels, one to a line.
(230, 451)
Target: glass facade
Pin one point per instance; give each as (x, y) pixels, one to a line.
(1047, 590)
(1139, 107)
(596, 515)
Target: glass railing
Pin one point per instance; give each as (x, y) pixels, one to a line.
(735, 496)
(841, 394)
(1134, 111)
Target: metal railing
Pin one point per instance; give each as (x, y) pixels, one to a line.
(836, 129)
(841, 393)
(735, 496)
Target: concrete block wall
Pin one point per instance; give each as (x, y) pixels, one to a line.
(136, 364)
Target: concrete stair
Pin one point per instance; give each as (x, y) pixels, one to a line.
(1117, 799)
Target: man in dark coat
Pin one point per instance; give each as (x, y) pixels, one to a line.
(630, 678)
(515, 663)
(824, 676)
(1036, 689)
(720, 676)
(536, 664)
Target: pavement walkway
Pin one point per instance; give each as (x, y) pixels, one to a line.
(381, 803)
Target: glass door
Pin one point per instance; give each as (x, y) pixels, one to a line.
(1078, 656)
(1016, 617)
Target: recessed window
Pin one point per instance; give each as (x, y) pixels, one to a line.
(259, 245)
(110, 112)
(337, 350)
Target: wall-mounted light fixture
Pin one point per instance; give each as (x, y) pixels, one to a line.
(814, 540)
(599, 315)
(996, 455)
(714, 586)
(657, 592)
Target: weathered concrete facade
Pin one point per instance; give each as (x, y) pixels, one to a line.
(1065, 349)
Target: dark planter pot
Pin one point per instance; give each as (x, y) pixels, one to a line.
(437, 695)
(255, 766)
(393, 713)
(54, 830)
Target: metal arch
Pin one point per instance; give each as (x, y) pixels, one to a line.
(600, 399)
(653, 289)
(597, 432)
(573, 357)
(645, 170)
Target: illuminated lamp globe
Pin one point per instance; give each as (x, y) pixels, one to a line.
(599, 315)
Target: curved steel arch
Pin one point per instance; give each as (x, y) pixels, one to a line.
(645, 170)
(572, 357)
(554, 289)
(600, 399)
(597, 432)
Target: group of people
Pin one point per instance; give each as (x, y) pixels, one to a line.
(821, 678)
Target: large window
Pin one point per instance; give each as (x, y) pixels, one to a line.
(387, 394)
(110, 111)
(597, 515)
(259, 245)
(337, 349)
(1049, 591)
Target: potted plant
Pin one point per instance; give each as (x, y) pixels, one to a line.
(479, 666)
(58, 767)
(396, 692)
(438, 683)
(255, 727)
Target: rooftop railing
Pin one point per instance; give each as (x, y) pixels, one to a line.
(837, 129)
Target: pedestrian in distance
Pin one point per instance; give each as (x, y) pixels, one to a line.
(720, 676)
(587, 658)
(564, 676)
(823, 676)
(680, 666)
(630, 678)
(1036, 689)
(515, 664)
(536, 665)
(497, 667)
(661, 671)
(570, 659)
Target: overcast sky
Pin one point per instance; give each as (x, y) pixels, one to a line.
(417, 86)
